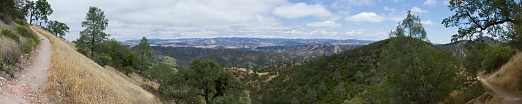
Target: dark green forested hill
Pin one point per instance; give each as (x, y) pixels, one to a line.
(355, 76)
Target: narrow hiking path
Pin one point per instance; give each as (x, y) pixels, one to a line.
(29, 84)
(508, 97)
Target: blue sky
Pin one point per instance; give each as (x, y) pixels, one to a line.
(325, 19)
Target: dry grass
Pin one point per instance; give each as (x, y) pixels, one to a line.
(76, 79)
(136, 79)
(508, 75)
(9, 49)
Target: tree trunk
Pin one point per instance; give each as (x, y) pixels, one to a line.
(92, 44)
(207, 100)
(31, 17)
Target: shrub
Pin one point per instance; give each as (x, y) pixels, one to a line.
(21, 22)
(10, 34)
(1, 64)
(10, 71)
(10, 50)
(102, 59)
(129, 69)
(28, 46)
(497, 56)
(28, 33)
(7, 19)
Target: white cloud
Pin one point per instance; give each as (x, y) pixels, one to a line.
(389, 9)
(131, 19)
(346, 34)
(418, 10)
(324, 24)
(427, 22)
(299, 10)
(365, 17)
(430, 2)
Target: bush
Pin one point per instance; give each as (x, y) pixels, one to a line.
(102, 58)
(21, 22)
(28, 33)
(129, 69)
(7, 19)
(10, 34)
(497, 56)
(10, 71)
(28, 46)
(487, 58)
(1, 64)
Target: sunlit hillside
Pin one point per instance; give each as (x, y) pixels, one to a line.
(75, 78)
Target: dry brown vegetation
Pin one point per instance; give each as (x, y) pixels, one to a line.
(75, 79)
(13, 48)
(507, 76)
(507, 79)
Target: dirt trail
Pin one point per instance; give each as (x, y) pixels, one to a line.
(29, 85)
(507, 96)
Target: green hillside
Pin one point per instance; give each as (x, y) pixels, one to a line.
(356, 74)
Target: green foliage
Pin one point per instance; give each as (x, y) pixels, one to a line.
(102, 59)
(488, 58)
(228, 57)
(21, 22)
(10, 34)
(129, 69)
(476, 17)
(28, 33)
(497, 56)
(207, 79)
(411, 26)
(418, 72)
(43, 9)
(380, 72)
(32, 41)
(93, 34)
(160, 72)
(169, 61)
(10, 9)
(121, 56)
(57, 28)
(10, 71)
(144, 55)
(28, 46)
(1, 64)
(316, 80)
(30, 10)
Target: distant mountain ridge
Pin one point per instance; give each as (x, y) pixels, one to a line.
(248, 52)
(235, 42)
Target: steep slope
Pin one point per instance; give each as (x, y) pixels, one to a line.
(318, 78)
(74, 78)
(505, 83)
(29, 85)
(333, 79)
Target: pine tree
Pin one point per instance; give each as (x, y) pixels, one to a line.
(93, 34)
(144, 55)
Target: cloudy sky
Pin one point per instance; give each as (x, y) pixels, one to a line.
(325, 19)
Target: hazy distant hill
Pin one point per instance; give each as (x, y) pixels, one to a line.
(249, 52)
(251, 43)
(459, 48)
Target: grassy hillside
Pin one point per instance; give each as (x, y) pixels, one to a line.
(333, 79)
(75, 78)
(17, 42)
